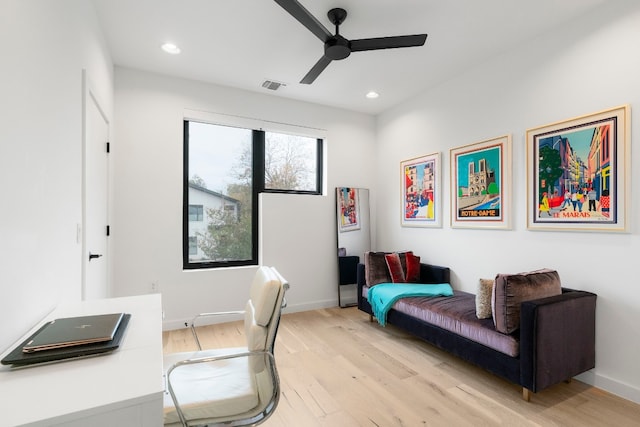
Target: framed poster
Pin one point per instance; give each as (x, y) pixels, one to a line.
(420, 189)
(348, 209)
(481, 184)
(578, 173)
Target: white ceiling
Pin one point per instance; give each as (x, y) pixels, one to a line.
(240, 43)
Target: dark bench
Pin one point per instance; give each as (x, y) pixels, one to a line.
(556, 335)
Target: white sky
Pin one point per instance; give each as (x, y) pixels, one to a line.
(214, 151)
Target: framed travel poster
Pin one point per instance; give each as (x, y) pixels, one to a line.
(578, 173)
(420, 189)
(348, 209)
(481, 184)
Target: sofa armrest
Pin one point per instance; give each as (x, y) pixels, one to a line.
(363, 304)
(557, 338)
(428, 274)
(434, 274)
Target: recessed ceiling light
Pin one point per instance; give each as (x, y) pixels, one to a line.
(171, 48)
(372, 95)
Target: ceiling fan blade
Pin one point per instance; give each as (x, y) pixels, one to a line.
(316, 70)
(303, 16)
(387, 42)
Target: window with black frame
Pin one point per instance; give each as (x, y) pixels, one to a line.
(225, 169)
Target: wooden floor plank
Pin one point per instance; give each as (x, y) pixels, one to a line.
(339, 369)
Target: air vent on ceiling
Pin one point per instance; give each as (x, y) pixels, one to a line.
(272, 84)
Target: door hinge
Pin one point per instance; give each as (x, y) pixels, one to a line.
(108, 147)
(108, 230)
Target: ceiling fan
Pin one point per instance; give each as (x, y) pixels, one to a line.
(337, 47)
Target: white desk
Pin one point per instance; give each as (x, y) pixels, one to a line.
(124, 388)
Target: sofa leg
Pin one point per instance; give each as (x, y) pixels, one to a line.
(568, 381)
(526, 394)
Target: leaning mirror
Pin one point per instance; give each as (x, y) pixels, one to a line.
(354, 239)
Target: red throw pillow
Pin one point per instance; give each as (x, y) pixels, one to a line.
(413, 268)
(395, 268)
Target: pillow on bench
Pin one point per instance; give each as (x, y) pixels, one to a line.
(391, 267)
(483, 299)
(510, 290)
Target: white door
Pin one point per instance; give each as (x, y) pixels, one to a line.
(96, 193)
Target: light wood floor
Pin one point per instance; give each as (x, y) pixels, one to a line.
(339, 370)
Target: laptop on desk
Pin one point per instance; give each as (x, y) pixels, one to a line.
(68, 338)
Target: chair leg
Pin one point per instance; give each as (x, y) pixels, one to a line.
(526, 394)
(370, 318)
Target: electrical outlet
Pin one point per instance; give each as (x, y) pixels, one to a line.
(154, 287)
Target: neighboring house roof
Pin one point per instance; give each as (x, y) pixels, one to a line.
(213, 193)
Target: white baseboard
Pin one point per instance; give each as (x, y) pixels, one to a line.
(316, 305)
(170, 325)
(626, 391)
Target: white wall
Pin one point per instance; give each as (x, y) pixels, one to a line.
(298, 232)
(585, 66)
(46, 45)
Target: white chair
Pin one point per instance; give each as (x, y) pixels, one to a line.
(231, 386)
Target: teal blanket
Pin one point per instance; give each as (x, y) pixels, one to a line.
(384, 295)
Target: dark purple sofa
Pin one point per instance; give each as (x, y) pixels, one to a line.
(555, 341)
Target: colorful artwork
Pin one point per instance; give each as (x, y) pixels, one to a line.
(420, 178)
(577, 173)
(348, 208)
(480, 184)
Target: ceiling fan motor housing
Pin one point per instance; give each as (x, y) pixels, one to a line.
(337, 47)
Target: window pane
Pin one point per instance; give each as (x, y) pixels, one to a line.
(291, 162)
(193, 245)
(195, 212)
(220, 184)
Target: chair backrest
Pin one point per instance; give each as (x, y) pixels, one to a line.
(263, 310)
